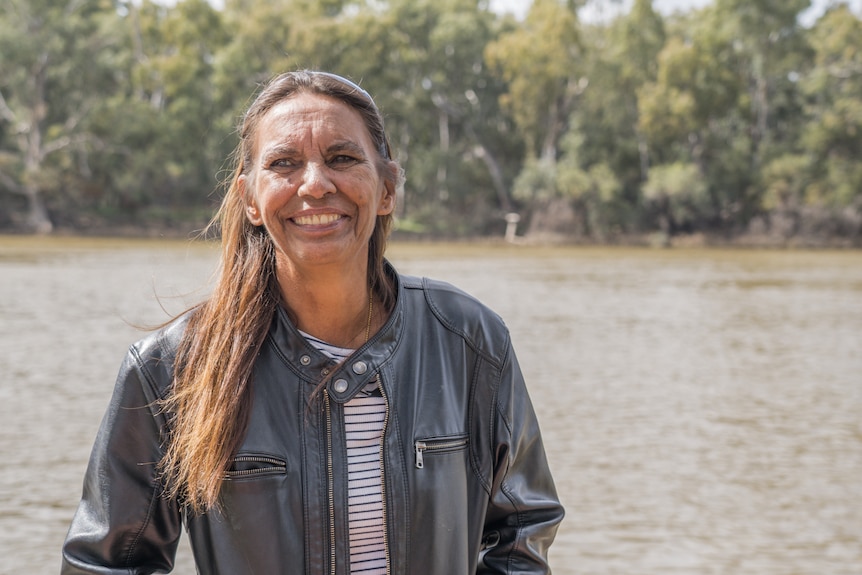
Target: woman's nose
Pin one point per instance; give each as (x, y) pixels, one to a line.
(315, 181)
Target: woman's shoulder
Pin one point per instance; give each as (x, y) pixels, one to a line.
(458, 311)
(156, 352)
(165, 338)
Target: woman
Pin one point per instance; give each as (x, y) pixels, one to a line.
(318, 413)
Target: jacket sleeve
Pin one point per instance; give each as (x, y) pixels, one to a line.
(524, 510)
(123, 524)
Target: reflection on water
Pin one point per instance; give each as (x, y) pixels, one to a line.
(702, 410)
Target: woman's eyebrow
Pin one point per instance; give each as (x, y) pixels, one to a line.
(287, 150)
(346, 146)
(278, 150)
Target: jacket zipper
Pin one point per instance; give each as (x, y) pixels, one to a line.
(331, 488)
(277, 466)
(436, 445)
(330, 478)
(383, 476)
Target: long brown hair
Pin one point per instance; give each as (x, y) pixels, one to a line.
(211, 397)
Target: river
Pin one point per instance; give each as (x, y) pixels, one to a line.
(701, 409)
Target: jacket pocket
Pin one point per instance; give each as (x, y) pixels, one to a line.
(253, 465)
(433, 445)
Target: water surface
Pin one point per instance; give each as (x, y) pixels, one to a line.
(702, 410)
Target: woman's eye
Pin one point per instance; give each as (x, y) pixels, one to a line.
(343, 159)
(282, 163)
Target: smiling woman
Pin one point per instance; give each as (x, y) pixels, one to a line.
(316, 185)
(319, 413)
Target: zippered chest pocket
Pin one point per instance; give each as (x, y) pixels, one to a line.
(438, 445)
(251, 466)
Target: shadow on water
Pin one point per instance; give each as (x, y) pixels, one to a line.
(702, 410)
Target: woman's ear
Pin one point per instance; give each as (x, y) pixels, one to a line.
(387, 200)
(251, 210)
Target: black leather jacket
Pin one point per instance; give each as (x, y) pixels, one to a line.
(466, 482)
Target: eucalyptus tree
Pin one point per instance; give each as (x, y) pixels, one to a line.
(605, 138)
(636, 39)
(832, 141)
(173, 87)
(689, 115)
(466, 153)
(540, 61)
(700, 111)
(764, 33)
(769, 49)
(262, 42)
(466, 98)
(679, 193)
(55, 66)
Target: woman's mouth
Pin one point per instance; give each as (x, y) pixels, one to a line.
(316, 220)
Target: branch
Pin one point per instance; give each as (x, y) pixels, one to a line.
(61, 143)
(74, 119)
(6, 112)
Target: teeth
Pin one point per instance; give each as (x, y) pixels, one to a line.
(316, 220)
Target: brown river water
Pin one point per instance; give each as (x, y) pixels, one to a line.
(702, 409)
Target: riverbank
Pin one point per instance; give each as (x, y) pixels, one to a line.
(750, 240)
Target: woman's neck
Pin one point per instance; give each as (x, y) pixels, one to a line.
(332, 305)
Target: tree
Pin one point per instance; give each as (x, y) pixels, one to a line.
(119, 109)
(833, 134)
(636, 41)
(693, 88)
(53, 71)
(540, 63)
(604, 130)
(764, 32)
(679, 193)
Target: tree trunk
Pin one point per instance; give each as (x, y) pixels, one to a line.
(442, 175)
(493, 168)
(554, 129)
(496, 176)
(37, 218)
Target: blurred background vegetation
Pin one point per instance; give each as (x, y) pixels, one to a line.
(728, 123)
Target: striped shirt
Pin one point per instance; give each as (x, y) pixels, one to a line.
(364, 417)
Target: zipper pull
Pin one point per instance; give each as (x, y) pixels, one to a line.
(420, 447)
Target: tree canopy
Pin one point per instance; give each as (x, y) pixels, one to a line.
(729, 120)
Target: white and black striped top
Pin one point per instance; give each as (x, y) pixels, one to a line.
(364, 417)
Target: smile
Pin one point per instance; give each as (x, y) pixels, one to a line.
(316, 220)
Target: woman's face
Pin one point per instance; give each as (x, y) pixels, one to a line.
(315, 183)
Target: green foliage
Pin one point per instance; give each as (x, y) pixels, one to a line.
(680, 192)
(114, 110)
(833, 134)
(539, 61)
(537, 182)
(784, 182)
(56, 61)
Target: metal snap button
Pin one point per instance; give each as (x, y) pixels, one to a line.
(305, 360)
(340, 385)
(325, 371)
(360, 367)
